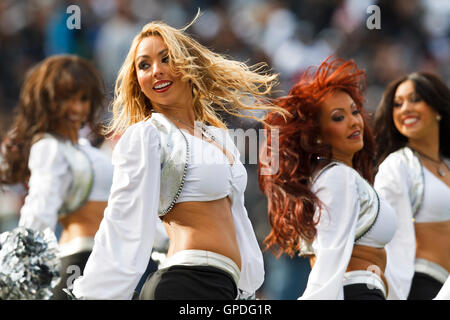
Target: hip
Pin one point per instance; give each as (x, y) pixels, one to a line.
(193, 274)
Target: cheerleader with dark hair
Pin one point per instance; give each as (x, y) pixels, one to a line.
(67, 179)
(413, 125)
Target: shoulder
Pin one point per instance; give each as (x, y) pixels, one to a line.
(336, 178)
(398, 158)
(397, 162)
(338, 188)
(140, 131)
(47, 151)
(45, 143)
(139, 139)
(336, 172)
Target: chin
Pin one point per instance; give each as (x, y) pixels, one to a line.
(410, 134)
(359, 147)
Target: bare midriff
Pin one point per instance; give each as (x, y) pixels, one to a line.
(83, 222)
(433, 242)
(365, 258)
(203, 225)
(370, 259)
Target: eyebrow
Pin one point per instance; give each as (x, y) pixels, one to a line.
(146, 56)
(342, 109)
(405, 95)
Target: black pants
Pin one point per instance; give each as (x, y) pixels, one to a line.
(71, 268)
(361, 291)
(180, 282)
(424, 287)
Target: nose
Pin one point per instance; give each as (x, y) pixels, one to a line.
(356, 120)
(406, 105)
(80, 107)
(157, 70)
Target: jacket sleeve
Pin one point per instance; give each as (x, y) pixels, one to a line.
(392, 184)
(124, 241)
(49, 181)
(337, 190)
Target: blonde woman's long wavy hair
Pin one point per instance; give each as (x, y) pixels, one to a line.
(215, 80)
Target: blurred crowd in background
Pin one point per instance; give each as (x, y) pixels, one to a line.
(288, 35)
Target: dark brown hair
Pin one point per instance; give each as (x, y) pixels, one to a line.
(433, 91)
(46, 86)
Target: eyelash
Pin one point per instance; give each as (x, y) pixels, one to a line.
(340, 118)
(144, 65)
(414, 99)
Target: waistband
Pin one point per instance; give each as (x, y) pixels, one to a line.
(203, 258)
(76, 245)
(432, 269)
(370, 278)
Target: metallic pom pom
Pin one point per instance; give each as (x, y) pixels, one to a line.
(29, 264)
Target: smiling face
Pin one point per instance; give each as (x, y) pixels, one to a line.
(161, 86)
(342, 126)
(77, 110)
(412, 116)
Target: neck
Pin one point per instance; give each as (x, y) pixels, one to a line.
(426, 147)
(183, 114)
(69, 134)
(347, 160)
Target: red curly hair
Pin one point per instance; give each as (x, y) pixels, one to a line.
(291, 203)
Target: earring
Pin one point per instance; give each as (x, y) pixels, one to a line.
(318, 141)
(438, 117)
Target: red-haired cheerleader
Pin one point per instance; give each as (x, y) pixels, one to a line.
(321, 202)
